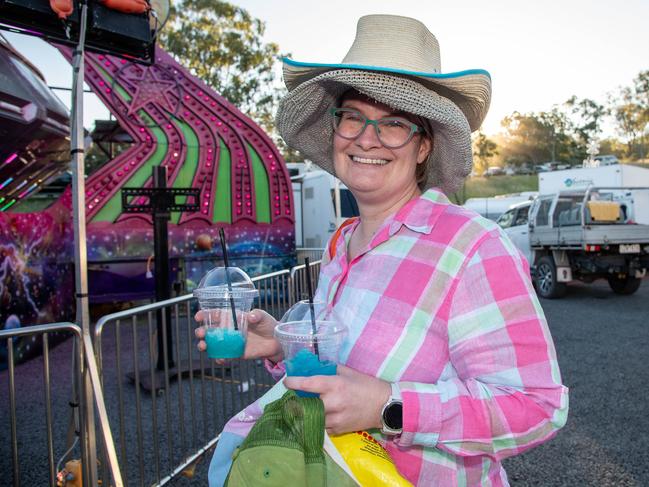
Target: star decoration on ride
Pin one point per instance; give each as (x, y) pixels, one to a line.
(155, 88)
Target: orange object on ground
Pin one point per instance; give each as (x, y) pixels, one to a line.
(62, 8)
(127, 6)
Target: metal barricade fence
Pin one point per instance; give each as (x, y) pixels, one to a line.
(314, 254)
(159, 437)
(146, 438)
(299, 288)
(44, 443)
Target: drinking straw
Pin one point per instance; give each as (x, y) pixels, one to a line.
(314, 330)
(227, 277)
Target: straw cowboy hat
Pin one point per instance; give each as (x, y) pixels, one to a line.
(396, 61)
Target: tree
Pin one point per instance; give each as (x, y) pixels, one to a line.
(556, 135)
(484, 149)
(631, 113)
(587, 117)
(222, 44)
(536, 137)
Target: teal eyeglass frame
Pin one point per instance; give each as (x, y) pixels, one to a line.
(414, 128)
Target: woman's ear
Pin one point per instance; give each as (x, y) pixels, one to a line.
(425, 148)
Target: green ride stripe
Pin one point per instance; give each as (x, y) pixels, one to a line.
(107, 77)
(189, 166)
(223, 197)
(113, 208)
(262, 193)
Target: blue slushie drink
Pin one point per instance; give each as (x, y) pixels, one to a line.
(225, 310)
(307, 353)
(224, 343)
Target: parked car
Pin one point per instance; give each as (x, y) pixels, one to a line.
(495, 206)
(494, 171)
(524, 170)
(548, 166)
(607, 160)
(514, 222)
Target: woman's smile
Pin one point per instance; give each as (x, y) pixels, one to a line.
(369, 160)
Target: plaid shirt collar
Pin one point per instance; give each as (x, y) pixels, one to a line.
(419, 215)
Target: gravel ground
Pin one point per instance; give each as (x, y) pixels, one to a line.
(602, 342)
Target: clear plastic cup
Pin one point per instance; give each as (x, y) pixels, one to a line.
(225, 335)
(307, 353)
(301, 311)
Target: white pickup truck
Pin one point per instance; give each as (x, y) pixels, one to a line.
(599, 232)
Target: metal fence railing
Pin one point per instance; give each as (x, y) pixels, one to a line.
(35, 419)
(298, 280)
(143, 389)
(314, 254)
(166, 402)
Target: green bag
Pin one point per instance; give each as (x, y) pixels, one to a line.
(285, 448)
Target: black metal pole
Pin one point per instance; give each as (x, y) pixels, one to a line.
(161, 259)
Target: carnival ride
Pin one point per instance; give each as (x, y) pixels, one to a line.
(206, 143)
(168, 117)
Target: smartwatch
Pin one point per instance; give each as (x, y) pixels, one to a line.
(392, 413)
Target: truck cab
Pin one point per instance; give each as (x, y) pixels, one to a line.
(515, 224)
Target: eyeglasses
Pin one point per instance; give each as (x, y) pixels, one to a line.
(393, 132)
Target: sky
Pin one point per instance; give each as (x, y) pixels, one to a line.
(539, 54)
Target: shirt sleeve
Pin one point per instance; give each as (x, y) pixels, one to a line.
(276, 370)
(503, 393)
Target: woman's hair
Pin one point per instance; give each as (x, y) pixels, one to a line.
(421, 171)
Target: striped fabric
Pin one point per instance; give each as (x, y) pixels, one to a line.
(441, 302)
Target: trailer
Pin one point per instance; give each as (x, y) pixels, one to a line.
(494, 207)
(322, 203)
(618, 175)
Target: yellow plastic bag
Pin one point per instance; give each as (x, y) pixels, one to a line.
(368, 460)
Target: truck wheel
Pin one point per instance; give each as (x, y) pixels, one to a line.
(628, 285)
(545, 279)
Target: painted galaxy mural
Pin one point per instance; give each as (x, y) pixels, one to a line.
(36, 271)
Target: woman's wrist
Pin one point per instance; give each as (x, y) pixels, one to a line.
(382, 398)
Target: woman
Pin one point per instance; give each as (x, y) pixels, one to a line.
(449, 360)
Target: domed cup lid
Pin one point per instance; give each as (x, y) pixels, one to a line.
(302, 311)
(214, 284)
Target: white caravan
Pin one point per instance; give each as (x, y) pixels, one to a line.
(616, 175)
(322, 203)
(495, 206)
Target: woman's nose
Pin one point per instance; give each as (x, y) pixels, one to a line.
(369, 138)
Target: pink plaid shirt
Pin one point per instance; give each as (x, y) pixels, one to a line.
(441, 302)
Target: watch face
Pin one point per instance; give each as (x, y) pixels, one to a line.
(393, 416)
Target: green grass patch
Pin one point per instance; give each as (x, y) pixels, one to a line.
(481, 187)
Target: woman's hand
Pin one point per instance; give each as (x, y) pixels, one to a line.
(260, 341)
(352, 400)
